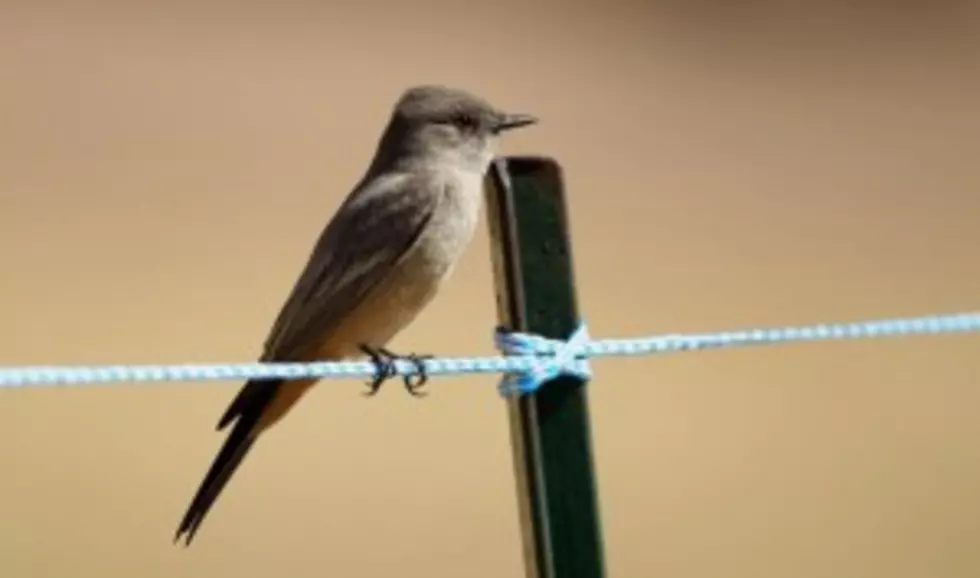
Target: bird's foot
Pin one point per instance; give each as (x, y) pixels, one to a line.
(384, 363)
(384, 368)
(414, 381)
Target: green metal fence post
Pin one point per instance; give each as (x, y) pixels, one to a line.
(550, 434)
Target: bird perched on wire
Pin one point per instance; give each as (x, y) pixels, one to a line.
(393, 241)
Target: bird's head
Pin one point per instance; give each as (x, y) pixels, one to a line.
(451, 125)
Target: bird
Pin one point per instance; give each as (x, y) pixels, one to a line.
(391, 244)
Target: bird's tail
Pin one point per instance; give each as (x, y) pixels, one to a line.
(246, 410)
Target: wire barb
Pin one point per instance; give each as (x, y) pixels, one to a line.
(529, 363)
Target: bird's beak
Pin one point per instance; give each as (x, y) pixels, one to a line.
(512, 121)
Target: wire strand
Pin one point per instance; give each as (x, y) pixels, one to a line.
(535, 347)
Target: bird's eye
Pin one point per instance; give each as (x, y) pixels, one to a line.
(466, 121)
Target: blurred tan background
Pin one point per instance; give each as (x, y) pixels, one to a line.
(166, 168)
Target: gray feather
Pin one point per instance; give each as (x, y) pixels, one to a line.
(373, 230)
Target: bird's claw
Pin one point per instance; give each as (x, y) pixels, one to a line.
(420, 376)
(384, 369)
(384, 364)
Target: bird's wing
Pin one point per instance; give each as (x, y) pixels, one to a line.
(374, 228)
(360, 246)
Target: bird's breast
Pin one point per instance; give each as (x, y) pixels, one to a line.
(451, 228)
(416, 279)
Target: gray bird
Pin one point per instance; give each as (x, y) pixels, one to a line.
(380, 260)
